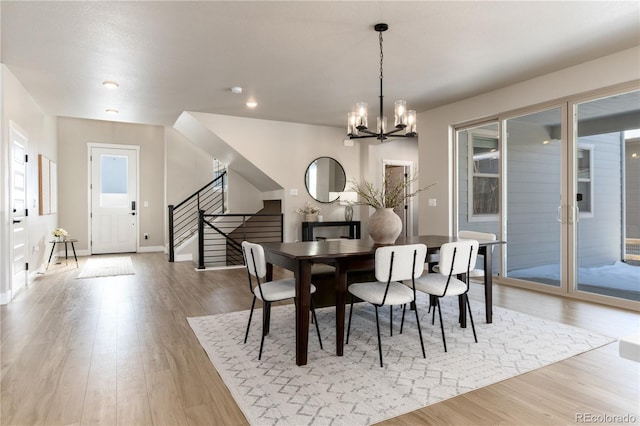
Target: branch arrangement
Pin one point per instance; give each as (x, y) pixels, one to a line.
(398, 191)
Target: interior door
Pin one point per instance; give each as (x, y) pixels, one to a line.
(114, 220)
(19, 252)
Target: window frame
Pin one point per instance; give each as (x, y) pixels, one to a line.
(471, 174)
(591, 149)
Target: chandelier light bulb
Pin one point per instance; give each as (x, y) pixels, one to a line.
(361, 111)
(382, 125)
(411, 123)
(352, 129)
(400, 114)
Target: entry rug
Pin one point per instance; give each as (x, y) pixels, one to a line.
(99, 266)
(353, 389)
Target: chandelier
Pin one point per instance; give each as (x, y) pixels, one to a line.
(404, 121)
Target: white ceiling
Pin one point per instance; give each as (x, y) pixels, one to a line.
(306, 62)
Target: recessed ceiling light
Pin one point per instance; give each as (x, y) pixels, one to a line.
(236, 89)
(109, 84)
(252, 104)
(112, 111)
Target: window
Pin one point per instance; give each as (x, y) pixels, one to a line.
(585, 180)
(219, 169)
(484, 167)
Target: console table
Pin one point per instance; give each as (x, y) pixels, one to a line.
(308, 227)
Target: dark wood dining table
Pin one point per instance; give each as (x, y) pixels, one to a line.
(348, 255)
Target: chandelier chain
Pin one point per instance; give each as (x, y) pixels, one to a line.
(381, 54)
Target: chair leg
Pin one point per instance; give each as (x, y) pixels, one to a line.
(246, 334)
(473, 327)
(315, 320)
(265, 326)
(379, 342)
(433, 314)
(424, 355)
(349, 326)
(441, 325)
(404, 308)
(391, 320)
(267, 318)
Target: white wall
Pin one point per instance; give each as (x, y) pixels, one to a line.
(283, 151)
(434, 126)
(73, 203)
(19, 107)
(188, 168)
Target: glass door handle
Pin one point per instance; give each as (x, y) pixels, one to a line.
(559, 215)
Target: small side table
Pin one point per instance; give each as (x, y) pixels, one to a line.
(66, 253)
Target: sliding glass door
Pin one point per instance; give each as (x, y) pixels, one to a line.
(536, 212)
(561, 185)
(606, 186)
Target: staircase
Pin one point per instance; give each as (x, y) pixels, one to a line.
(183, 217)
(221, 235)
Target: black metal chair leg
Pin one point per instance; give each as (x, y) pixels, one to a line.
(433, 316)
(441, 325)
(267, 311)
(404, 308)
(265, 327)
(473, 327)
(246, 334)
(391, 320)
(315, 320)
(379, 342)
(349, 326)
(424, 355)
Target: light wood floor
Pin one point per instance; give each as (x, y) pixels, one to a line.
(119, 351)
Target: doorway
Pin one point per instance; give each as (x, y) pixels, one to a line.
(18, 196)
(396, 171)
(113, 210)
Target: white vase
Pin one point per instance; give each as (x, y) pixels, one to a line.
(311, 217)
(384, 226)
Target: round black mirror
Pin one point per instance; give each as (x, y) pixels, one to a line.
(325, 179)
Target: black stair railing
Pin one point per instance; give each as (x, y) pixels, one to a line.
(220, 236)
(183, 217)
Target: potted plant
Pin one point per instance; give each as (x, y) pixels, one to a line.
(309, 212)
(60, 234)
(384, 224)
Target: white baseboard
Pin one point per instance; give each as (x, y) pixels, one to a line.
(150, 249)
(219, 268)
(5, 297)
(185, 257)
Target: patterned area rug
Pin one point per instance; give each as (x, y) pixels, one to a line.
(106, 267)
(353, 389)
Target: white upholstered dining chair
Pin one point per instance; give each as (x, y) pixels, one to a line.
(268, 291)
(455, 259)
(473, 235)
(392, 265)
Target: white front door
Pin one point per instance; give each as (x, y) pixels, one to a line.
(18, 196)
(114, 196)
